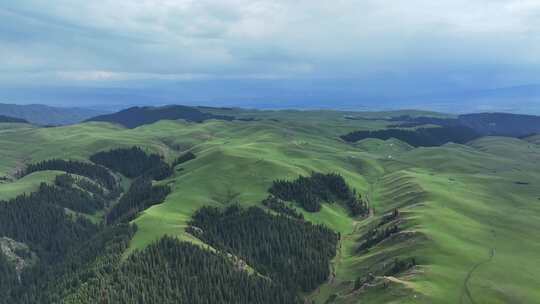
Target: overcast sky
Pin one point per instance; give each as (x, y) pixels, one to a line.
(426, 44)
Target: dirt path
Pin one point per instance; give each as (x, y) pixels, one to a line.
(466, 292)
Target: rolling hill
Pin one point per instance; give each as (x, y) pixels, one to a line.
(444, 225)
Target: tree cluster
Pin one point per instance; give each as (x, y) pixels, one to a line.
(309, 192)
(8, 278)
(420, 137)
(68, 197)
(92, 171)
(133, 162)
(279, 206)
(171, 271)
(400, 265)
(141, 195)
(295, 253)
(387, 218)
(184, 158)
(92, 187)
(90, 260)
(377, 235)
(43, 225)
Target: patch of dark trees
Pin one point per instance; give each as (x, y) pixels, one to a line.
(294, 253)
(184, 158)
(92, 171)
(41, 223)
(140, 196)
(138, 116)
(397, 266)
(496, 124)
(90, 261)
(133, 162)
(170, 271)
(377, 235)
(9, 119)
(279, 206)
(386, 227)
(9, 279)
(87, 261)
(400, 265)
(390, 217)
(92, 187)
(309, 192)
(406, 121)
(63, 194)
(421, 137)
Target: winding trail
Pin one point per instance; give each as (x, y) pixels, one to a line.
(466, 292)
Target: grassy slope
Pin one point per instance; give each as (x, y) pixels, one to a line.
(27, 184)
(460, 201)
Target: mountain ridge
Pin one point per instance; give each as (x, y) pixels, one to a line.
(41, 114)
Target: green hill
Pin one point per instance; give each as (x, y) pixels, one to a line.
(138, 116)
(467, 214)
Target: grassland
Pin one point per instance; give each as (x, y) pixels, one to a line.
(27, 184)
(471, 213)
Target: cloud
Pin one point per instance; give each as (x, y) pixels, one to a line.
(459, 42)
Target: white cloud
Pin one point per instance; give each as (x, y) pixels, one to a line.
(303, 38)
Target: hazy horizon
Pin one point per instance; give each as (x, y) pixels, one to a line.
(449, 56)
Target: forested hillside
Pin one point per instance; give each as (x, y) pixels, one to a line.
(294, 253)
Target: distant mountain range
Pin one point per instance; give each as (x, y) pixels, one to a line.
(339, 94)
(47, 115)
(484, 124)
(464, 128)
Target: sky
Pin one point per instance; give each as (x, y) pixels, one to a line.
(342, 53)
